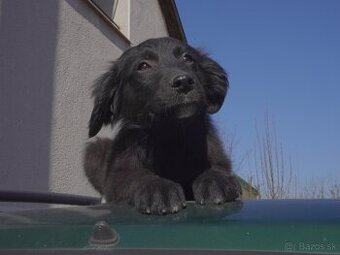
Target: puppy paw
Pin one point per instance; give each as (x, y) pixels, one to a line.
(159, 197)
(215, 187)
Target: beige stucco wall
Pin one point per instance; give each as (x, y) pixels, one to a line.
(50, 53)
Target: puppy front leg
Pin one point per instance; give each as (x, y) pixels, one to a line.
(216, 186)
(159, 196)
(146, 191)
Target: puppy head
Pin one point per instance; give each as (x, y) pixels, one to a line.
(163, 78)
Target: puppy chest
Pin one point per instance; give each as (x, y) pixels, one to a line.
(179, 163)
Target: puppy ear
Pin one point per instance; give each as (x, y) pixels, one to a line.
(216, 83)
(106, 103)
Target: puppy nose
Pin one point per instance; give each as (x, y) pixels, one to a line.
(183, 83)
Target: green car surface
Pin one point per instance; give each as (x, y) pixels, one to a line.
(241, 227)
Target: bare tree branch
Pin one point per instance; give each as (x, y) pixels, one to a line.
(276, 169)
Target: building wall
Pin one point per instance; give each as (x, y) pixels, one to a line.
(50, 53)
(85, 46)
(148, 23)
(27, 55)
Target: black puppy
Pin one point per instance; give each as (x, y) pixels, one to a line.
(165, 151)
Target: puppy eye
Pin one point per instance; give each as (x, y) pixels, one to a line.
(187, 58)
(143, 66)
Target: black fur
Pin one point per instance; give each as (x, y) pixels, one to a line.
(166, 150)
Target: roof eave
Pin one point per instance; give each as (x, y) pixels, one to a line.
(172, 19)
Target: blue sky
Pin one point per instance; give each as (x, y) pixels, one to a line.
(282, 57)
